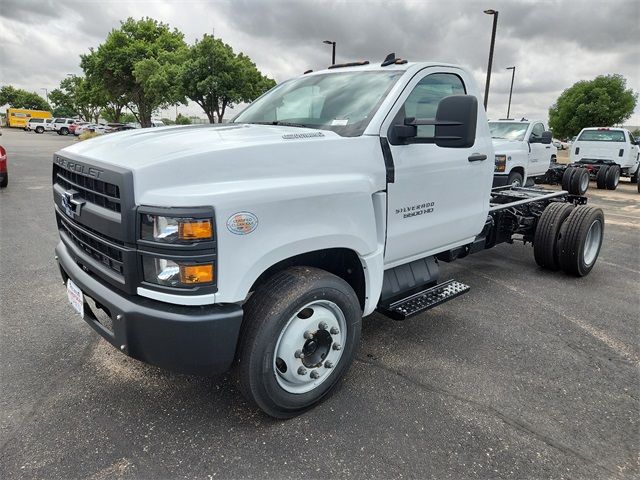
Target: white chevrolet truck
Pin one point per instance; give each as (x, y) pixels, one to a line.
(524, 151)
(259, 245)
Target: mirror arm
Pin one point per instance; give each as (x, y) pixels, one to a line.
(414, 122)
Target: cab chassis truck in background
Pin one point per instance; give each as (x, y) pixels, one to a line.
(259, 245)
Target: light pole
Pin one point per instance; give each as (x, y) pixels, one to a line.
(333, 51)
(493, 41)
(46, 94)
(513, 74)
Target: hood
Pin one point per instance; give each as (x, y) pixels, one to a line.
(502, 146)
(142, 148)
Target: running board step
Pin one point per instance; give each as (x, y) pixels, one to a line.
(424, 300)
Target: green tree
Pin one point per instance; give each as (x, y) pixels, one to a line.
(216, 78)
(81, 96)
(182, 120)
(19, 98)
(603, 101)
(139, 64)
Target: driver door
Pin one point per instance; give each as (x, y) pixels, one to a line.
(439, 198)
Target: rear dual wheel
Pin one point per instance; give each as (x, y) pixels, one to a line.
(300, 334)
(608, 177)
(569, 238)
(575, 180)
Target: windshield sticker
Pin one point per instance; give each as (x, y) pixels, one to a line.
(289, 136)
(340, 122)
(242, 223)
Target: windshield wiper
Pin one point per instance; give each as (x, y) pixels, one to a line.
(284, 124)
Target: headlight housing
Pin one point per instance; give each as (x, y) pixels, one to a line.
(501, 162)
(175, 230)
(177, 273)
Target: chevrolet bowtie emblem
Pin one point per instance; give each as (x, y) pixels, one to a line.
(71, 204)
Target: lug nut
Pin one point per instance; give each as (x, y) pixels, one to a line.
(334, 331)
(314, 374)
(337, 346)
(323, 326)
(328, 364)
(308, 335)
(302, 371)
(298, 354)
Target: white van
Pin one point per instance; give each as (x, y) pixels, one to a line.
(608, 149)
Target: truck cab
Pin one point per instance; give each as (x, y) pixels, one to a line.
(258, 245)
(612, 148)
(524, 151)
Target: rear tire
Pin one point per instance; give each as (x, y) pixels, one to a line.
(515, 179)
(580, 240)
(64, 131)
(5, 181)
(39, 129)
(566, 178)
(613, 177)
(292, 302)
(545, 243)
(579, 182)
(601, 177)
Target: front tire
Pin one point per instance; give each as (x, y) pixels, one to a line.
(515, 179)
(580, 240)
(5, 181)
(300, 334)
(39, 129)
(64, 131)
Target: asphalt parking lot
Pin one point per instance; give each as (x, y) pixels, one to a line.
(530, 375)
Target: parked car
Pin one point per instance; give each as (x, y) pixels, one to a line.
(4, 175)
(96, 127)
(76, 124)
(157, 123)
(560, 145)
(39, 125)
(61, 125)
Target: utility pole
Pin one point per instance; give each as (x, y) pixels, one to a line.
(46, 94)
(513, 74)
(493, 41)
(333, 50)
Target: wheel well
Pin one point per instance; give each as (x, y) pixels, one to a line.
(519, 170)
(342, 262)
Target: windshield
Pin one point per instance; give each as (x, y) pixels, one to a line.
(602, 136)
(508, 131)
(343, 102)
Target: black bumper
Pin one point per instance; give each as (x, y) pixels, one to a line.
(500, 180)
(196, 340)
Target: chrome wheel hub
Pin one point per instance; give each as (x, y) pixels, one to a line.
(310, 346)
(592, 243)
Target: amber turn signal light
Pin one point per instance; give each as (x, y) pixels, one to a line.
(191, 274)
(195, 230)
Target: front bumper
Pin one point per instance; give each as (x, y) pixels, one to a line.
(196, 340)
(499, 180)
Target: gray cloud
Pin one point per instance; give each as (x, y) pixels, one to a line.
(553, 43)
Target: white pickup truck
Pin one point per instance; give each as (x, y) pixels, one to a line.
(259, 245)
(524, 151)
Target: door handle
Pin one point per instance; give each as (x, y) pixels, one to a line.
(477, 157)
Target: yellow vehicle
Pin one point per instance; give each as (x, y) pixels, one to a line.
(18, 117)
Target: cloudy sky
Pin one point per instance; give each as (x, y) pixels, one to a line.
(553, 43)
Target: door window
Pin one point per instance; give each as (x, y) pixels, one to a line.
(537, 131)
(423, 101)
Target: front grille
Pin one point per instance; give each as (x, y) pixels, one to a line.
(90, 189)
(99, 249)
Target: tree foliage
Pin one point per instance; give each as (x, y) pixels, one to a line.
(216, 78)
(603, 101)
(139, 65)
(18, 98)
(79, 96)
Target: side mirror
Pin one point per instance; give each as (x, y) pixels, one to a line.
(546, 138)
(455, 124)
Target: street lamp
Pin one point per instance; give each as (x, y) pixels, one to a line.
(46, 94)
(493, 41)
(513, 74)
(333, 51)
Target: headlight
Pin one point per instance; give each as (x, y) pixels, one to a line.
(501, 161)
(176, 273)
(158, 228)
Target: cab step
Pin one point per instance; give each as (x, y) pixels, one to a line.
(424, 300)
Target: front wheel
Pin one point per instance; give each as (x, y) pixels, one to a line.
(515, 179)
(64, 131)
(300, 334)
(39, 129)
